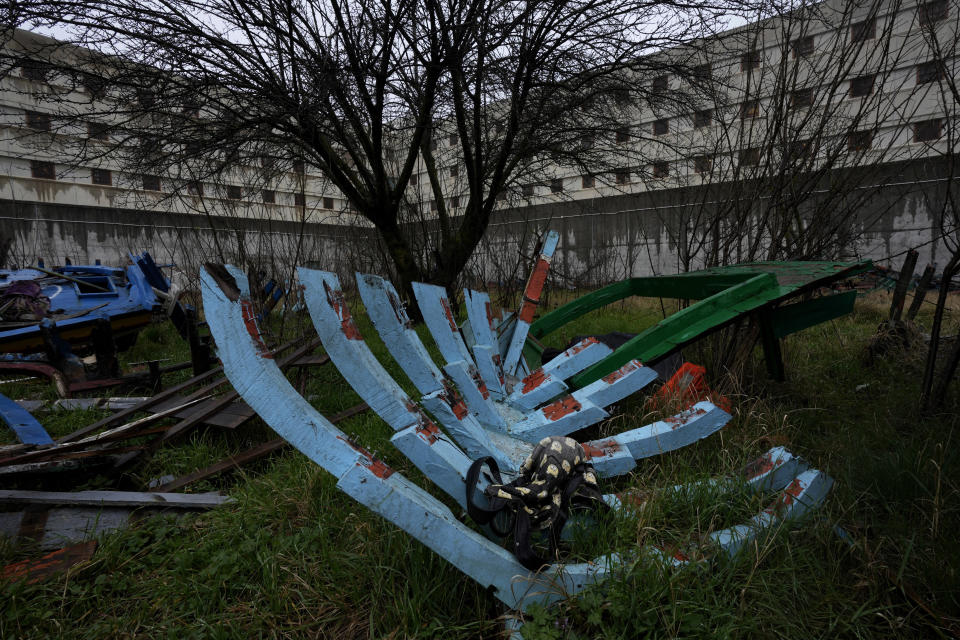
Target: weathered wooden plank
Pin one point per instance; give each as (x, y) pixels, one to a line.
(114, 499)
(390, 319)
(485, 351)
(438, 316)
(27, 429)
(683, 429)
(474, 391)
(528, 306)
(36, 570)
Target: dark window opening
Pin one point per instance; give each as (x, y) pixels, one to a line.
(927, 130)
(327, 202)
(750, 60)
(147, 98)
(586, 142)
(661, 169)
(859, 140)
(455, 202)
(151, 183)
(298, 166)
(98, 131)
(453, 139)
(703, 164)
(862, 86)
(749, 157)
(44, 170)
(702, 72)
(454, 171)
(588, 182)
(195, 188)
(299, 200)
(800, 149)
(622, 176)
(660, 83)
(501, 195)
(38, 121)
(929, 72)
(191, 109)
(621, 96)
(863, 31)
(414, 178)
(35, 70)
(931, 12)
(95, 85)
(702, 118)
(749, 109)
(234, 192)
(269, 196)
(102, 177)
(556, 185)
(803, 47)
(528, 190)
(623, 135)
(661, 127)
(801, 98)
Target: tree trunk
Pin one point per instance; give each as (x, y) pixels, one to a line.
(926, 398)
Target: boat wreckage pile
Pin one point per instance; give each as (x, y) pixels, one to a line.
(487, 404)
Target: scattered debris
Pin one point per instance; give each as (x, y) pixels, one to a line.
(24, 425)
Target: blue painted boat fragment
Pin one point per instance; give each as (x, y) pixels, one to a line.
(23, 425)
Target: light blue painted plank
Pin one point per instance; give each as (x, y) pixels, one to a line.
(438, 316)
(535, 389)
(485, 351)
(528, 304)
(685, 428)
(464, 428)
(616, 386)
(488, 363)
(474, 392)
(580, 356)
(557, 419)
(388, 315)
(24, 425)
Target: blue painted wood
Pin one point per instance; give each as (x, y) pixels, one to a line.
(580, 356)
(531, 298)
(390, 318)
(438, 316)
(697, 422)
(485, 351)
(535, 389)
(23, 425)
(616, 386)
(558, 419)
(475, 393)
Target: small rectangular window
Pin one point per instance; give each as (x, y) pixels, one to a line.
(931, 71)
(801, 98)
(800, 149)
(862, 86)
(528, 190)
(556, 185)
(586, 141)
(702, 118)
(661, 126)
(622, 176)
(623, 135)
(452, 139)
(750, 60)
(146, 97)
(414, 178)
(35, 70)
(749, 109)
(501, 195)
(434, 144)
(298, 166)
(195, 188)
(327, 202)
(93, 84)
(269, 196)
(927, 131)
(98, 131)
(859, 140)
(455, 202)
(933, 12)
(191, 109)
(803, 47)
(102, 177)
(749, 157)
(703, 164)
(44, 170)
(621, 96)
(38, 121)
(151, 183)
(863, 31)
(454, 171)
(234, 192)
(299, 200)
(661, 169)
(588, 181)
(660, 83)
(702, 72)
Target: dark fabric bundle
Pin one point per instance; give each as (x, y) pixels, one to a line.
(553, 480)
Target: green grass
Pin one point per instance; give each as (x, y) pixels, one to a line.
(294, 557)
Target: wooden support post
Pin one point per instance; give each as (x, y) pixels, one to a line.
(920, 292)
(105, 349)
(771, 345)
(903, 283)
(199, 345)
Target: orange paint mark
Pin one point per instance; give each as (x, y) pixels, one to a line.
(428, 431)
(760, 466)
(339, 306)
(377, 467)
(785, 499)
(489, 310)
(577, 348)
(560, 408)
(613, 376)
(449, 313)
(250, 322)
(602, 449)
(533, 381)
(531, 295)
(477, 380)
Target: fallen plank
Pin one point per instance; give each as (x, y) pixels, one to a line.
(70, 404)
(115, 499)
(230, 417)
(39, 569)
(246, 456)
(23, 425)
